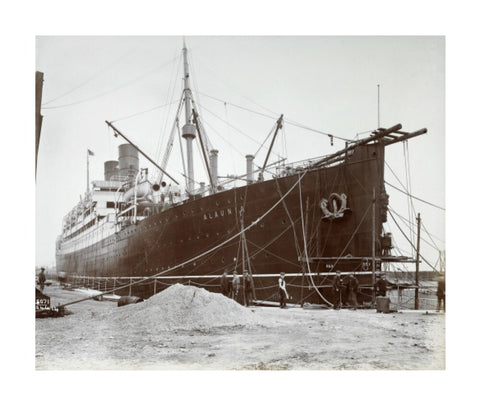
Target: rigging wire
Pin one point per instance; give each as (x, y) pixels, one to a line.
(409, 241)
(145, 111)
(98, 73)
(228, 85)
(174, 79)
(104, 93)
(291, 122)
(411, 211)
(412, 196)
(305, 247)
(236, 129)
(408, 223)
(428, 233)
(265, 140)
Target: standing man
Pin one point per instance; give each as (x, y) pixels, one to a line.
(225, 284)
(441, 293)
(381, 286)
(41, 278)
(247, 284)
(337, 285)
(282, 290)
(235, 286)
(352, 291)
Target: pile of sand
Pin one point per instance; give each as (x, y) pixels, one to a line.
(186, 308)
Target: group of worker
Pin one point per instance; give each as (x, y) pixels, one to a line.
(232, 288)
(345, 289)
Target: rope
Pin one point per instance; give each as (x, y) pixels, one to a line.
(98, 73)
(407, 223)
(144, 111)
(305, 247)
(416, 198)
(408, 240)
(111, 90)
(275, 117)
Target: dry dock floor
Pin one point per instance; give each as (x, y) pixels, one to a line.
(94, 337)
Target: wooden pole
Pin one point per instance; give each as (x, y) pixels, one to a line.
(374, 278)
(417, 264)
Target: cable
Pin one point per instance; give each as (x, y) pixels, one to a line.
(111, 90)
(305, 247)
(145, 111)
(408, 240)
(416, 198)
(88, 80)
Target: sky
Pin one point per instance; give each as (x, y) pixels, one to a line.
(338, 85)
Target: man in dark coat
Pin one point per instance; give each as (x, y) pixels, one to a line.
(247, 283)
(337, 285)
(41, 278)
(225, 284)
(381, 287)
(352, 291)
(441, 293)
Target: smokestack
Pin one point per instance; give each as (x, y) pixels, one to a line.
(127, 160)
(188, 132)
(214, 166)
(249, 168)
(111, 169)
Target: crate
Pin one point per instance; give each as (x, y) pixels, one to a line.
(383, 304)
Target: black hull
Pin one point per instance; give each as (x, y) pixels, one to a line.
(156, 246)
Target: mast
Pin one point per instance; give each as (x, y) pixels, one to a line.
(417, 261)
(279, 125)
(188, 130)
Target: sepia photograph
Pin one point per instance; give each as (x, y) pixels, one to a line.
(239, 202)
(216, 202)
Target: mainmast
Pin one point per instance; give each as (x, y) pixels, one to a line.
(188, 130)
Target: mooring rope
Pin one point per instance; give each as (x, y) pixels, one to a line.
(305, 246)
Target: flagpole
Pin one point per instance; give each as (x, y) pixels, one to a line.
(88, 170)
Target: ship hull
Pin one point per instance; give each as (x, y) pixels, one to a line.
(309, 224)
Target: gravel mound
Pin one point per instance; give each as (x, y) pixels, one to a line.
(185, 308)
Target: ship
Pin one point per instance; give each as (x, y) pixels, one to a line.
(136, 234)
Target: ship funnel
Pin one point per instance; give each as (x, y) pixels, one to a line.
(110, 169)
(127, 161)
(249, 168)
(214, 166)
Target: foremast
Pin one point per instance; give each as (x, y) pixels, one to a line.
(188, 130)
